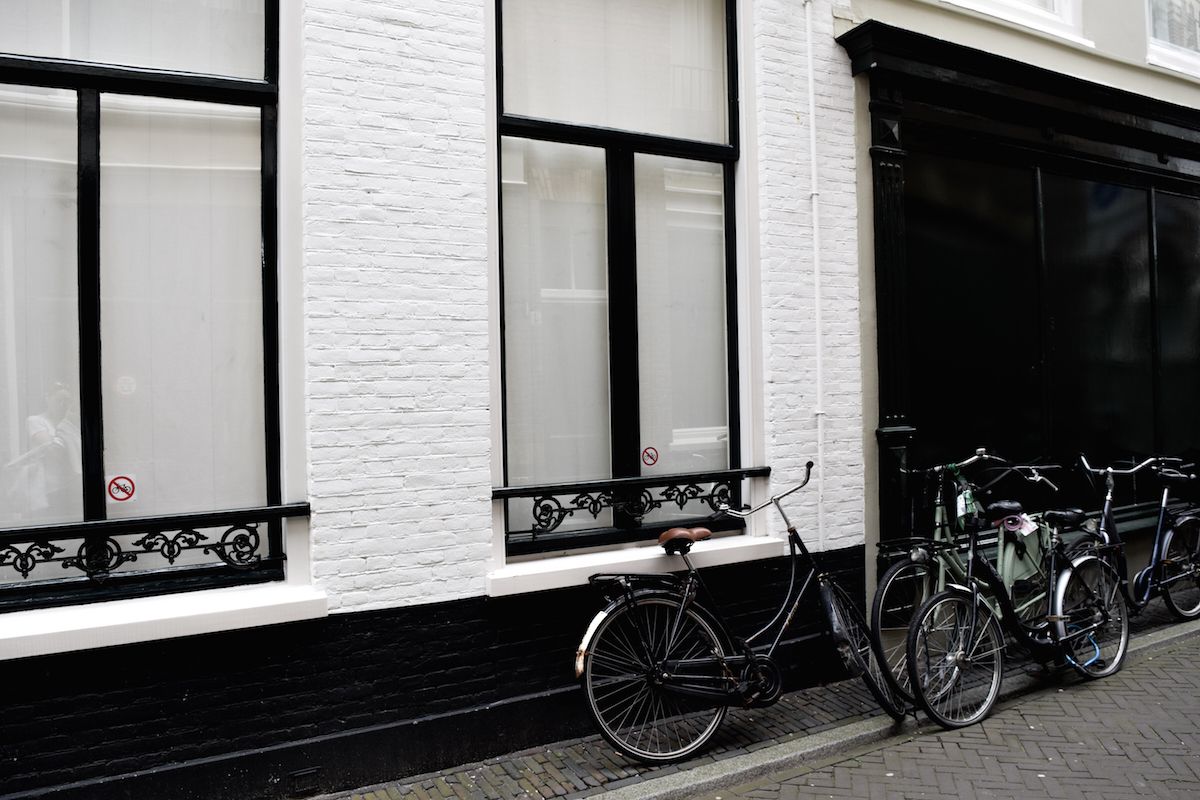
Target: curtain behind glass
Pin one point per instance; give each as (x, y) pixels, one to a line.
(222, 37)
(555, 312)
(181, 304)
(40, 451)
(651, 67)
(682, 341)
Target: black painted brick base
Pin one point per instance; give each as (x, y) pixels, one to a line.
(344, 701)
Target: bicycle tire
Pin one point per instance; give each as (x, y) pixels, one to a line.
(955, 668)
(1180, 587)
(632, 711)
(1089, 595)
(902, 590)
(858, 648)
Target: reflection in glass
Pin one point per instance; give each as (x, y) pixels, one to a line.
(181, 304)
(555, 312)
(40, 456)
(222, 37)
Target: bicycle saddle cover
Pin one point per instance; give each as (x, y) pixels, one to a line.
(680, 540)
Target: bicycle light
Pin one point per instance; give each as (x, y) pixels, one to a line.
(918, 555)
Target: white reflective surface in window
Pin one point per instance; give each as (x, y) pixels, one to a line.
(223, 37)
(181, 305)
(652, 67)
(682, 340)
(555, 313)
(40, 451)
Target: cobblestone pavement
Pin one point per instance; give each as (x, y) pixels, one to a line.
(588, 766)
(1134, 734)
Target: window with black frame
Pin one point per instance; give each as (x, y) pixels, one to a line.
(618, 131)
(139, 445)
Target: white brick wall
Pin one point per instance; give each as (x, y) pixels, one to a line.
(396, 299)
(395, 209)
(786, 248)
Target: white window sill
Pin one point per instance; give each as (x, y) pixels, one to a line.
(556, 573)
(61, 630)
(1174, 59)
(1066, 28)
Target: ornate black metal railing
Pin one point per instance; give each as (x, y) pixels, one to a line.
(110, 559)
(623, 509)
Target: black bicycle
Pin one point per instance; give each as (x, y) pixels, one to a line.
(1174, 568)
(660, 670)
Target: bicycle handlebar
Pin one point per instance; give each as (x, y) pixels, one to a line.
(1156, 462)
(746, 512)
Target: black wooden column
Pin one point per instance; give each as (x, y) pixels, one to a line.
(895, 433)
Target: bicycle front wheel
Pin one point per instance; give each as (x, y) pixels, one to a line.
(1091, 618)
(1181, 571)
(859, 652)
(955, 659)
(902, 591)
(626, 694)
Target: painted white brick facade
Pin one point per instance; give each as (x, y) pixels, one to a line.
(396, 189)
(396, 299)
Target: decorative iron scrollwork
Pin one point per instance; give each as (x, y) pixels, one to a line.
(170, 548)
(549, 512)
(24, 561)
(98, 557)
(238, 546)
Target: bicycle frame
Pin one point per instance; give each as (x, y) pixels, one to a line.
(726, 688)
(1149, 581)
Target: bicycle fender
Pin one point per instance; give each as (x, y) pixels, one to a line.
(586, 642)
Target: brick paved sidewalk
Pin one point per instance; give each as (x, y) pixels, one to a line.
(581, 767)
(1134, 734)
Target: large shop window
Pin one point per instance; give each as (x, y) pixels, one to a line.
(139, 446)
(618, 144)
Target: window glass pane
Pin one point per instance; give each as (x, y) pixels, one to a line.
(40, 460)
(1178, 294)
(181, 304)
(223, 37)
(1176, 22)
(555, 312)
(654, 67)
(682, 339)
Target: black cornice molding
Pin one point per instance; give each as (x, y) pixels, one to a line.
(914, 59)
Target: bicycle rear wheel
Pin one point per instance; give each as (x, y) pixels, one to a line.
(903, 589)
(1092, 621)
(1181, 571)
(858, 649)
(622, 678)
(955, 659)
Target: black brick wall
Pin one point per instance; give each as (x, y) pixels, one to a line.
(346, 700)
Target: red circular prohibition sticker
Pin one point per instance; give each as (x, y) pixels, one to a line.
(121, 488)
(650, 456)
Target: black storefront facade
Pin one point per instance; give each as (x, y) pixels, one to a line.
(1037, 264)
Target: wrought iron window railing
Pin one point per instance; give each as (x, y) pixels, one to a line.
(112, 559)
(552, 517)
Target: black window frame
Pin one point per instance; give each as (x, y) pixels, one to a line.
(627, 493)
(95, 569)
